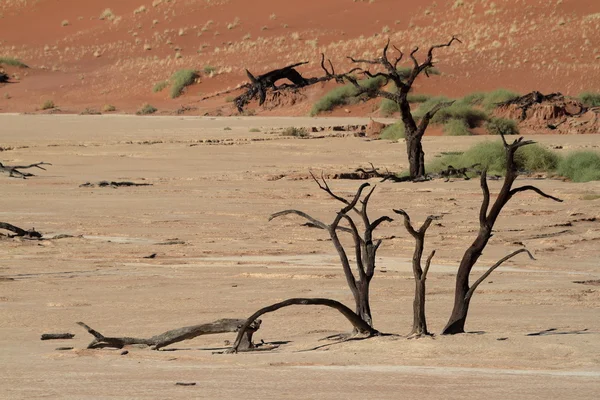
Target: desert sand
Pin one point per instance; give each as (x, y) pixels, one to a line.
(82, 57)
(214, 184)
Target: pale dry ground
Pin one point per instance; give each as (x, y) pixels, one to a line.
(217, 198)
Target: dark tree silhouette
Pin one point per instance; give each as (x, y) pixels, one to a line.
(403, 84)
(487, 218)
(365, 248)
(419, 321)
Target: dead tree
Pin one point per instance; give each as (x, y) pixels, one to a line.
(403, 84)
(19, 232)
(359, 324)
(419, 320)
(13, 171)
(487, 218)
(261, 85)
(365, 248)
(177, 335)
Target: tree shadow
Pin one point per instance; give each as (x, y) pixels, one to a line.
(555, 331)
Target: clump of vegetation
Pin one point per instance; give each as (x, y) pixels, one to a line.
(159, 87)
(456, 127)
(473, 117)
(254, 130)
(13, 62)
(209, 69)
(580, 166)
(394, 131)
(590, 99)
(344, 95)
(180, 79)
(488, 100)
(146, 109)
(48, 105)
(227, 128)
(389, 107)
(502, 126)
(296, 132)
(90, 111)
(108, 108)
(492, 156)
(107, 14)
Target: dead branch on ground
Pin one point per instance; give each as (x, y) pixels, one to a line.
(19, 232)
(13, 170)
(177, 335)
(360, 326)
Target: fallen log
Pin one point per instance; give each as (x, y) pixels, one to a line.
(176, 335)
(19, 232)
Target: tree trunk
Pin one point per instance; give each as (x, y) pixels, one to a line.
(419, 321)
(416, 156)
(363, 308)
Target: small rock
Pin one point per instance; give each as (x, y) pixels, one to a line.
(64, 348)
(124, 352)
(185, 384)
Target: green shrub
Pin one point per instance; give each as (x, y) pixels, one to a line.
(581, 166)
(180, 79)
(209, 69)
(456, 127)
(159, 87)
(418, 98)
(502, 126)
(491, 155)
(389, 107)
(109, 108)
(471, 116)
(48, 104)
(497, 96)
(394, 131)
(146, 110)
(296, 132)
(473, 99)
(344, 95)
(590, 99)
(13, 62)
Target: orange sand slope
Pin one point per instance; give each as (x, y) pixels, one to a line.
(83, 56)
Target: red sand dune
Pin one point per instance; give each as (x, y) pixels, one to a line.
(522, 45)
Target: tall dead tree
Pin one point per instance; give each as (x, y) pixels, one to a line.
(365, 249)
(487, 218)
(403, 84)
(419, 320)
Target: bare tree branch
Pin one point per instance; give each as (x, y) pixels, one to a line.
(492, 268)
(360, 325)
(534, 189)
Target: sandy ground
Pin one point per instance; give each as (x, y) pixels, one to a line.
(212, 192)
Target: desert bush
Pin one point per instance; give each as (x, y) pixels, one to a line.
(394, 131)
(146, 109)
(590, 99)
(502, 126)
(389, 107)
(90, 111)
(581, 166)
(209, 69)
(488, 100)
(180, 79)
(13, 62)
(497, 96)
(107, 14)
(254, 130)
(456, 127)
(344, 95)
(296, 132)
(48, 104)
(473, 117)
(492, 156)
(159, 86)
(108, 108)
